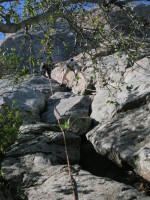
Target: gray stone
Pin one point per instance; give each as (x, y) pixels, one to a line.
(42, 84)
(136, 86)
(56, 185)
(30, 96)
(30, 103)
(37, 149)
(101, 110)
(68, 108)
(61, 35)
(125, 139)
(80, 126)
(37, 128)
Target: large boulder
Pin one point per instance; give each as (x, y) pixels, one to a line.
(42, 84)
(123, 132)
(71, 108)
(125, 137)
(38, 148)
(61, 35)
(135, 87)
(54, 183)
(30, 103)
(30, 95)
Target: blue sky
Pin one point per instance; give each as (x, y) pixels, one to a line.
(2, 36)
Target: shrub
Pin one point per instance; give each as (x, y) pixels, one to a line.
(9, 126)
(10, 63)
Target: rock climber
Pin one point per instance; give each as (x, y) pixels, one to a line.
(46, 69)
(70, 65)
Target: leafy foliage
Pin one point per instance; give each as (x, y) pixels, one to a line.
(10, 63)
(9, 126)
(65, 125)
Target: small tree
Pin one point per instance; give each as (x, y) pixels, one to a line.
(9, 126)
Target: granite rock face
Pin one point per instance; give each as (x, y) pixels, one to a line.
(62, 35)
(133, 89)
(30, 102)
(125, 139)
(38, 148)
(36, 163)
(42, 84)
(71, 108)
(57, 186)
(123, 132)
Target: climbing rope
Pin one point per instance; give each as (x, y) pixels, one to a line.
(64, 138)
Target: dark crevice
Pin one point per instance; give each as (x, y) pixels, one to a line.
(135, 102)
(101, 166)
(44, 110)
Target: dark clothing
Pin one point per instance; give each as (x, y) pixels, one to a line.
(45, 70)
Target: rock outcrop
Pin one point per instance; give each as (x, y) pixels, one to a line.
(39, 147)
(62, 35)
(123, 132)
(56, 186)
(71, 108)
(34, 165)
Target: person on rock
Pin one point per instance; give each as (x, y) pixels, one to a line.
(45, 69)
(70, 65)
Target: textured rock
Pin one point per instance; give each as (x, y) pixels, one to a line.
(125, 139)
(101, 111)
(56, 185)
(38, 148)
(69, 107)
(42, 84)
(133, 91)
(62, 35)
(123, 132)
(30, 96)
(80, 126)
(30, 103)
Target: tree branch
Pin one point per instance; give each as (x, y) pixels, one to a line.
(12, 27)
(3, 1)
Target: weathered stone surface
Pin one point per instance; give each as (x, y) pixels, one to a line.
(123, 132)
(42, 84)
(38, 148)
(62, 35)
(133, 91)
(69, 107)
(36, 129)
(80, 126)
(102, 111)
(56, 185)
(30, 103)
(30, 96)
(125, 139)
